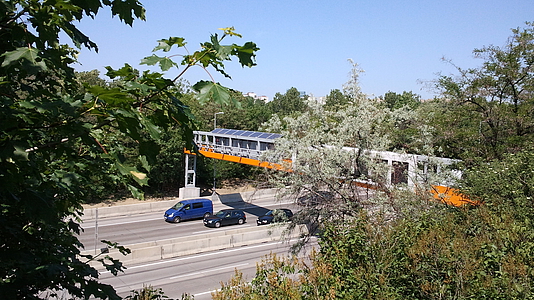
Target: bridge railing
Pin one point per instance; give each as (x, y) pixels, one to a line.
(249, 147)
(411, 169)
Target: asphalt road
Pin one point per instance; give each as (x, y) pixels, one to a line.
(197, 275)
(148, 227)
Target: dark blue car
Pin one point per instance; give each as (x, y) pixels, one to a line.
(275, 215)
(225, 217)
(189, 209)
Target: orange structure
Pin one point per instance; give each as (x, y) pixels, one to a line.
(237, 159)
(451, 196)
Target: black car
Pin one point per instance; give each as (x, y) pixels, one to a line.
(315, 198)
(275, 215)
(225, 217)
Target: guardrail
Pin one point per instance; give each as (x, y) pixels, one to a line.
(187, 245)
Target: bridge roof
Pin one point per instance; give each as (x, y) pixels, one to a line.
(247, 134)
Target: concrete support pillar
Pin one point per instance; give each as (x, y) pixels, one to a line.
(190, 190)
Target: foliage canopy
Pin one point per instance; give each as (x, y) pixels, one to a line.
(57, 139)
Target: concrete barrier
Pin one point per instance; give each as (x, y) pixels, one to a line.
(124, 210)
(139, 208)
(187, 245)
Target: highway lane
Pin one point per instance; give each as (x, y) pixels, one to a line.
(197, 275)
(149, 227)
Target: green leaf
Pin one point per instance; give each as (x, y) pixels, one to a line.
(113, 96)
(144, 162)
(152, 129)
(148, 154)
(125, 9)
(210, 90)
(78, 37)
(222, 52)
(137, 193)
(128, 124)
(132, 172)
(166, 45)
(151, 60)
(246, 54)
(20, 153)
(136, 86)
(30, 55)
(165, 63)
(126, 72)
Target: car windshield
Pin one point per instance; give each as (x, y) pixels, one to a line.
(221, 213)
(269, 213)
(178, 205)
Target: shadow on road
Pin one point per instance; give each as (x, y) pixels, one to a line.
(236, 201)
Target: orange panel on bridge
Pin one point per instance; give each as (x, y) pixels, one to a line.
(451, 196)
(242, 160)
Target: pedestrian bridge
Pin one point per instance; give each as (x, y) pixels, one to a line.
(248, 147)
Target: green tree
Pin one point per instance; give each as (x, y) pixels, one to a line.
(439, 252)
(455, 131)
(407, 124)
(335, 99)
(289, 103)
(54, 138)
(324, 174)
(400, 245)
(395, 101)
(253, 113)
(497, 95)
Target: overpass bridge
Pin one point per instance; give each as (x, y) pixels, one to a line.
(248, 147)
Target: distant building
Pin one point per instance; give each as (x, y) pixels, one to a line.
(254, 96)
(321, 100)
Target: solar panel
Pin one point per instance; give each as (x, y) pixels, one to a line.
(217, 130)
(246, 133)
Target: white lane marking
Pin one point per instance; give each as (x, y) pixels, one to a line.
(219, 229)
(204, 293)
(121, 223)
(198, 256)
(210, 270)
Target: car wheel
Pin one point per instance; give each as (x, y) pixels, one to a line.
(217, 224)
(176, 220)
(240, 221)
(207, 215)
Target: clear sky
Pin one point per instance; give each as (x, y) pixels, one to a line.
(306, 44)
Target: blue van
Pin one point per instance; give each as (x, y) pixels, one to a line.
(189, 209)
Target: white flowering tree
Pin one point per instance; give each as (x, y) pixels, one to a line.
(332, 174)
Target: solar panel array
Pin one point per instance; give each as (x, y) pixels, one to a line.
(245, 133)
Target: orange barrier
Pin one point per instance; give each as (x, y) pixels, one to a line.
(447, 195)
(451, 196)
(242, 160)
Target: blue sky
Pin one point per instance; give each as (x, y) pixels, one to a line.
(306, 44)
